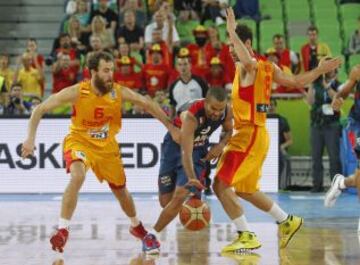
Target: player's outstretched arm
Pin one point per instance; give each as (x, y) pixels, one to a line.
(301, 80)
(239, 47)
(188, 127)
(152, 108)
(67, 95)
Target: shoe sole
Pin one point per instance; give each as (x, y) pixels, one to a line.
(330, 191)
(152, 252)
(240, 250)
(292, 235)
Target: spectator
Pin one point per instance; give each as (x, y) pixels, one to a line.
(166, 24)
(79, 39)
(287, 57)
(162, 99)
(63, 73)
(197, 51)
(17, 105)
(325, 127)
(285, 141)
(109, 16)
(188, 9)
(38, 60)
(314, 50)
(35, 101)
(217, 77)
(156, 73)
(124, 51)
(187, 87)
(3, 95)
(63, 45)
(131, 33)
(136, 6)
(29, 78)
(354, 42)
(215, 10)
(98, 28)
(83, 15)
(125, 76)
(5, 71)
(165, 49)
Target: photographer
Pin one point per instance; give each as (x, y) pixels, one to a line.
(17, 105)
(325, 126)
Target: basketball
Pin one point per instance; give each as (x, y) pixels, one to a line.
(195, 214)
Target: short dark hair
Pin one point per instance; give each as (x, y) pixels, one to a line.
(278, 36)
(219, 93)
(244, 32)
(313, 28)
(15, 85)
(95, 57)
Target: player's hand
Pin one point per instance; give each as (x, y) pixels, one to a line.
(27, 148)
(214, 152)
(175, 134)
(355, 73)
(230, 20)
(193, 182)
(326, 66)
(337, 103)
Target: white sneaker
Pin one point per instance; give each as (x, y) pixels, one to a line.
(334, 192)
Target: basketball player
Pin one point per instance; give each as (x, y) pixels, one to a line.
(339, 182)
(182, 167)
(91, 143)
(239, 167)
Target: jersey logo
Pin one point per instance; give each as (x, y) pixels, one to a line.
(263, 108)
(103, 133)
(206, 130)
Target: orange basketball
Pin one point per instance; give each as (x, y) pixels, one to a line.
(195, 214)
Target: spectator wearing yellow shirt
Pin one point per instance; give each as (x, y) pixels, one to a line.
(30, 78)
(5, 71)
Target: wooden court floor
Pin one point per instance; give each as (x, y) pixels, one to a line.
(99, 233)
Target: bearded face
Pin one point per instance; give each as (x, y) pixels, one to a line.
(103, 85)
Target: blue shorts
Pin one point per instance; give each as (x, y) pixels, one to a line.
(171, 173)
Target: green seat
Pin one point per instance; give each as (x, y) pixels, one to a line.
(185, 30)
(354, 59)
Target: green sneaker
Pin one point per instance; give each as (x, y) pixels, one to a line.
(245, 241)
(288, 228)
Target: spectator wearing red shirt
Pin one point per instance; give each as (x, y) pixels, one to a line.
(286, 57)
(199, 60)
(156, 38)
(155, 74)
(217, 77)
(125, 76)
(63, 73)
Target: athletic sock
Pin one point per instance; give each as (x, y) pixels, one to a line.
(63, 223)
(241, 224)
(277, 213)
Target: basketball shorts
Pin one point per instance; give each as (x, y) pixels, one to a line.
(241, 162)
(171, 173)
(105, 161)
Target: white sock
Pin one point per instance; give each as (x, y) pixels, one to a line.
(277, 213)
(63, 223)
(134, 221)
(241, 224)
(342, 185)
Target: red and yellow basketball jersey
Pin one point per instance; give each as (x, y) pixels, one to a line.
(250, 104)
(96, 119)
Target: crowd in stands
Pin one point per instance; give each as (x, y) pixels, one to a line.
(149, 55)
